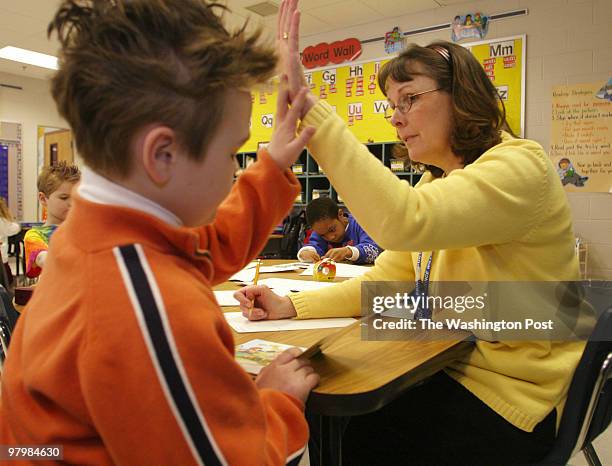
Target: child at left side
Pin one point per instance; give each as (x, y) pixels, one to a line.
(123, 355)
(8, 227)
(55, 185)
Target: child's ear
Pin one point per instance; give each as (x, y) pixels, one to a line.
(42, 198)
(159, 154)
(341, 214)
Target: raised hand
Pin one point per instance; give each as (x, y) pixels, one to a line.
(285, 146)
(288, 46)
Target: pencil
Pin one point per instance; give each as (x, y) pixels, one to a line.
(255, 284)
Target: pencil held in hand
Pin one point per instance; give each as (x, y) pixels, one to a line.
(254, 284)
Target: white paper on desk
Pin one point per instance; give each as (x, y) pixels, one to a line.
(247, 275)
(343, 270)
(242, 325)
(293, 285)
(283, 267)
(226, 297)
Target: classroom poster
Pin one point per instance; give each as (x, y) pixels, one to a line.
(504, 62)
(352, 90)
(581, 134)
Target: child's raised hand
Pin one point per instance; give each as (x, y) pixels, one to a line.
(259, 302)
(290, 374)
(286, 146)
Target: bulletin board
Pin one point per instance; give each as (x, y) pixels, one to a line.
(352, 90)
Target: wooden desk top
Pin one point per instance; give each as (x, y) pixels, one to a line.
(360, 376)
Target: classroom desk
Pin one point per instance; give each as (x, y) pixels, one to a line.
(357, 376)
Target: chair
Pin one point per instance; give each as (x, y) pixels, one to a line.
(16, 245)
(8, 319)
(5, 280)
(589, 400)
(20, 258)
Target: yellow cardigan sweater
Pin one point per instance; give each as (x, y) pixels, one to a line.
(504, 217)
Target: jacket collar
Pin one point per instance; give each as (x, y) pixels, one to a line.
(93, 227)
(96, 188)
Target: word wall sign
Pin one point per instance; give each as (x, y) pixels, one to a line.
(337, 52)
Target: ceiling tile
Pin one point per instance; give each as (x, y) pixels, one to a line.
(310, 25)
(40, 9)
(307, 5)
(7, 66)
(390, 8)
(347, 13)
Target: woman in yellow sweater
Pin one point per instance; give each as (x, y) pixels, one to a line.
(489, 207)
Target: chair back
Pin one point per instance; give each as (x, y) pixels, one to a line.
(8, 319)
(589, 400)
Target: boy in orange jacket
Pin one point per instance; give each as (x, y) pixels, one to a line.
(123, 355)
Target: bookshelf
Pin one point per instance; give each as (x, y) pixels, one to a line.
(315, 183)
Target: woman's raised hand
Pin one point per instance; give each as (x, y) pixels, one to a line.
(288, 43)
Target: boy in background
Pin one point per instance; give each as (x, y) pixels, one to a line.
(123, 355)
(55, 185)
(336, 235)
(8, 227)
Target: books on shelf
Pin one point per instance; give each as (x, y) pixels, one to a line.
(317, 193)
(397, 165)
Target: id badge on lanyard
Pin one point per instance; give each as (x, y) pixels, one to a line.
(421, 288)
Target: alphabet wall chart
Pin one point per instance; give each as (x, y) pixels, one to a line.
(504, 62)
(352, 89)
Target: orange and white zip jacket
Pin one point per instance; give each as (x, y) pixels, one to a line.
(123, 355)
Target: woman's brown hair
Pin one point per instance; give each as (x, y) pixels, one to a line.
(125, 64)
(478, 117)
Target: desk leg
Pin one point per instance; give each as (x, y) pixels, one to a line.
(325, 444)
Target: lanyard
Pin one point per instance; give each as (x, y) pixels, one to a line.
(421, 287)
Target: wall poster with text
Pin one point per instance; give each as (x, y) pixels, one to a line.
(581, 134)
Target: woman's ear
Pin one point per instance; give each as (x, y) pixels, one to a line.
(159, 154)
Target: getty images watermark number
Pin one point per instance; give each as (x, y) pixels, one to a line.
(32, 452)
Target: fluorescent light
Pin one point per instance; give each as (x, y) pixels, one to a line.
(30, 57)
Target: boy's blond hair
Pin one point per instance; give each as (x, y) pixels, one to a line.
(5, 212)
(125, 64)
(51, 177)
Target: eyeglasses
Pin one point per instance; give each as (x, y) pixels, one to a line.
(405, 103)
